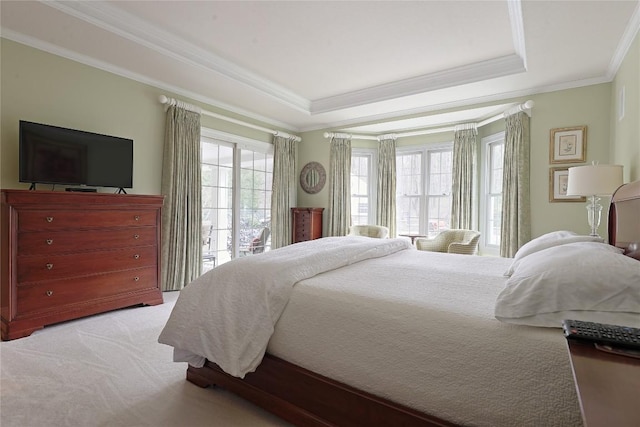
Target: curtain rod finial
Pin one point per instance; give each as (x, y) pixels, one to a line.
(528, 105)
(163, 99)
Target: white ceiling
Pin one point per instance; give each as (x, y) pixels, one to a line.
(304, 65)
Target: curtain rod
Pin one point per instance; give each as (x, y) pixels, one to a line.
(172, 101)
(526, 107)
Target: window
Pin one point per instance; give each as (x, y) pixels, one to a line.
(423, 193)
(363, 210)
(491, 203)
(236, 197)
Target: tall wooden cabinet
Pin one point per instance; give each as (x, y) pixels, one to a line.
(306, 224)
(66, 255)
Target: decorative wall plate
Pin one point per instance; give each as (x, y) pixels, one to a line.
(313, 177)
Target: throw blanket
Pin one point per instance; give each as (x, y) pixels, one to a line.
(228, 314)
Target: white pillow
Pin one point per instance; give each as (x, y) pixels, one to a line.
(584, 281)
(549, 240)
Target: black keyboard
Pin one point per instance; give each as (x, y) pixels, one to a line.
(600, 333)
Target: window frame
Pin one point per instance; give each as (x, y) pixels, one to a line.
(237, 143)
(486, 143)
(372, 155)
(425, 150)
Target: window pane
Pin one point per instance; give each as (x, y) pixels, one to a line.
(360, 184)
(493, 193)
(254, 195)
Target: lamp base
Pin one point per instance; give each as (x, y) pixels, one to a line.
(594, 212)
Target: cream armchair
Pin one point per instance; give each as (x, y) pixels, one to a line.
(455, 241)
(377, 231)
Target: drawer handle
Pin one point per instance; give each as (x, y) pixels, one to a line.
(49, 241)
(49, 266)
(49, 293)
(136, 278)
(136, 256)
(49, 219)
(137, 217)
(136, 236)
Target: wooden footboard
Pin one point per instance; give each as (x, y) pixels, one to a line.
(305, 398)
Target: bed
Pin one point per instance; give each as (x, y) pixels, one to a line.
(351, 332)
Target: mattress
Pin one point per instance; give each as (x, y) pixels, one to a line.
(418, 328)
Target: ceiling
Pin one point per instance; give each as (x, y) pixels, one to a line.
(306, 65)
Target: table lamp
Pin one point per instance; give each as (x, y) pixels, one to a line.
(593, 181)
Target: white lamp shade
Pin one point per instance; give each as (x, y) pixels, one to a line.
(594, 180)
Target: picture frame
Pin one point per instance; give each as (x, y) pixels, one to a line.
(558, 178)
(568, 145)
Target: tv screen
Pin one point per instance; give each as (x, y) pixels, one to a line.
(56, 155)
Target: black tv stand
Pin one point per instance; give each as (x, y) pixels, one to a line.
(121, 191)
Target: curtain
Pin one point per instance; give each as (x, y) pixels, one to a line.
(283, 195)
(516, 209)
(339, 187)
(463, 176)
(386, 206)
(181, 186)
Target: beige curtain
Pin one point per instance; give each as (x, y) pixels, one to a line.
(181, 214)
(516, 209)
(339, 187)
(386, 204)
(464, 176)
(283, 195)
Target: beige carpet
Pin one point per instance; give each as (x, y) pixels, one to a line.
(109, 370)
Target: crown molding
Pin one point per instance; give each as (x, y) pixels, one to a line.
(114, 20)
(472, 73)
(517, 29)
(625, 43)
(499, 97)
(140, 78)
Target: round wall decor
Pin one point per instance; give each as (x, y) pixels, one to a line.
(312, 177)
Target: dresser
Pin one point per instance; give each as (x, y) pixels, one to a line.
(65, 255)
(306, 224)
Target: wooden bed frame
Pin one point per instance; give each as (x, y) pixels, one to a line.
(305, 398)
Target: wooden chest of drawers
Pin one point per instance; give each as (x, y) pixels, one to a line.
(306, 224)
(68, 255)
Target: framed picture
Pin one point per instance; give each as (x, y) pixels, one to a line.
(568, 145)
(558, 178)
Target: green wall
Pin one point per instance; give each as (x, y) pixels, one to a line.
(625, 131)
(46, 88)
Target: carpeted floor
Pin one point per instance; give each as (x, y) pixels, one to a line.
(110, 370)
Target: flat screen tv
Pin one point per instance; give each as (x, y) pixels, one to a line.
(56, 155)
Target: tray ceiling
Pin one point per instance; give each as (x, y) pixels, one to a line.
(314, 64)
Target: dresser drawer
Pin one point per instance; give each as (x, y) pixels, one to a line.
(56, 294)
(35, 220)
(53, 267)
(56, 242)
(301, 235)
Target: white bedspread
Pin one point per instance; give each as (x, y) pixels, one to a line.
(418, 328)
(228, 315)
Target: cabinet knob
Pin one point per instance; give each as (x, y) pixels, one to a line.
(49, 241)
(136, 256)
(49, 293)
(136, 236)
(136, 278)
(49, 266)
(137, 217)
(49, 219)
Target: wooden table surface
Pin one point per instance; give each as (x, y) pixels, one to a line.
(608, 386)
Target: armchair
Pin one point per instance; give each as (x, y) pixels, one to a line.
(377, 231)
(455, 241)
